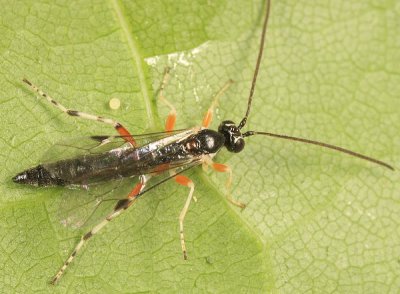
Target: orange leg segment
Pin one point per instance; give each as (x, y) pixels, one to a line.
(135, 191)
(208, 118)
(183, 180)
(170, 123)
(125, 134)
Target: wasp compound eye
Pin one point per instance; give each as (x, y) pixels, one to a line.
(238, 145)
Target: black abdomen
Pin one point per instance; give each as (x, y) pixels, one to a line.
(83, 170)
(38, 176)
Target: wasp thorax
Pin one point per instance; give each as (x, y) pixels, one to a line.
(210, 141)
(234, 141)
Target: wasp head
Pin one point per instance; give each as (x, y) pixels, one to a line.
(234, 141)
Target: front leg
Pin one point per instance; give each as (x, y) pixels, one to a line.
(210, 112)
(171, 119)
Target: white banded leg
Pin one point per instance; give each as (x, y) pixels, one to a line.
(121, 206)
(184, 181)
(120, 129)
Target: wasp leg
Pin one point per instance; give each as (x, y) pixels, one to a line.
(209, 114)
(226, 169)
(119, 208)
(171, 119)
(184, 181)
(120, 129)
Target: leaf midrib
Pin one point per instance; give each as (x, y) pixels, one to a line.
(137, 61)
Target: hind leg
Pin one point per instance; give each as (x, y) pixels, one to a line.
(119, 127)
(119, 208)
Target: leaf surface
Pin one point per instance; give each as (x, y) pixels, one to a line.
(315, 220)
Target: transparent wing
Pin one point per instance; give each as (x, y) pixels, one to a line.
(79, 207)
(83, 207)
(75, 147)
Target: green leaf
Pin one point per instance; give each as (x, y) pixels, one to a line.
(316, 220)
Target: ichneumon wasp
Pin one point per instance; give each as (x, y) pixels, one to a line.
(153, 158)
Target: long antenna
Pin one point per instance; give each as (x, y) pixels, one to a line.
(325, 145)
(260, 53)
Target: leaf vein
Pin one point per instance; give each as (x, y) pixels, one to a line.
(138, 60)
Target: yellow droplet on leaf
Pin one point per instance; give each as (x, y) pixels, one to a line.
(114, 103)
